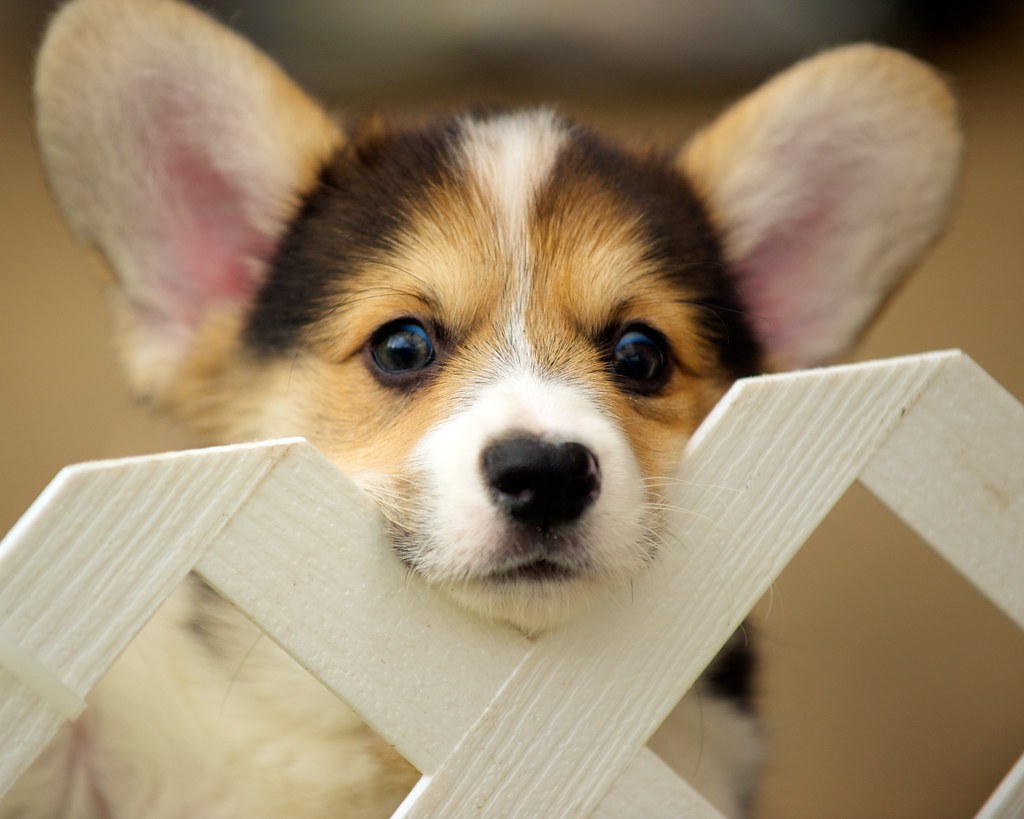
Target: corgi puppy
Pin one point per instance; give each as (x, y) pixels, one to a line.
(501, 325)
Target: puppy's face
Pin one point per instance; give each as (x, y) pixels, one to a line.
(501, 326)
(511, 330)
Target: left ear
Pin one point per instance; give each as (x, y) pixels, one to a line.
(826, 185)
(181, 153)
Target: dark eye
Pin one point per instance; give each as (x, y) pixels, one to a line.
(639, 358)
(402, 346)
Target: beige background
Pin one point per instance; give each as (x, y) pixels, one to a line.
(889, 688)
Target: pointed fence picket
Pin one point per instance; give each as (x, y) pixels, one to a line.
(499, 725)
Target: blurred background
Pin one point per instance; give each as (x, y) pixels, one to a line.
(889, 687)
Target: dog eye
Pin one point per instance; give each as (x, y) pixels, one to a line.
(639, 358)
(402, 346)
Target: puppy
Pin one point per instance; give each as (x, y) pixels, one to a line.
(500, 325)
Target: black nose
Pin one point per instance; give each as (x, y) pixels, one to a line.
(541, 483)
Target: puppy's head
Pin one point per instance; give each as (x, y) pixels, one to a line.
(502, 326)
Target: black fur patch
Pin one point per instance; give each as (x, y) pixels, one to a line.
(363, 199)
(679, 235)
(731, 673)
(202, 621)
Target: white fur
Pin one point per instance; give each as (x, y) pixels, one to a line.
(509, 158)
(460, 523)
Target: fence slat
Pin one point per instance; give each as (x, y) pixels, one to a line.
(26, 725)
(91, 561)
(649, 788)
(954, 472)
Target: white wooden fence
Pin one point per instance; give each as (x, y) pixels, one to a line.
(498, 725)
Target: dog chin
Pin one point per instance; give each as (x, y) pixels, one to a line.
(533, 599)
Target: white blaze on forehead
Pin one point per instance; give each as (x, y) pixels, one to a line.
(509, 157)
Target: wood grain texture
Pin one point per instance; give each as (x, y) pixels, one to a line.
(501, 725)
(94, 557)
(651, 789)
(954, 472)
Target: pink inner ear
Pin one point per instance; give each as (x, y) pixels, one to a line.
(791, 283)
(214, 252)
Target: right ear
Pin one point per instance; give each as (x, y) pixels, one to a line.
(181, 152)
(826, 186)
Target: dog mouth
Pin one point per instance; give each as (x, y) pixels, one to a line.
(530, 564)
(532, 558)
(538, 570)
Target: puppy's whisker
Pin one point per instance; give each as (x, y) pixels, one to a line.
(680, 510)
(662, 481)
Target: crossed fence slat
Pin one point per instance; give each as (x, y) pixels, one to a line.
(497, 724)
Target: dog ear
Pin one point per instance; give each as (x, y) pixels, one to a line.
(181, 152)
(826, 185)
